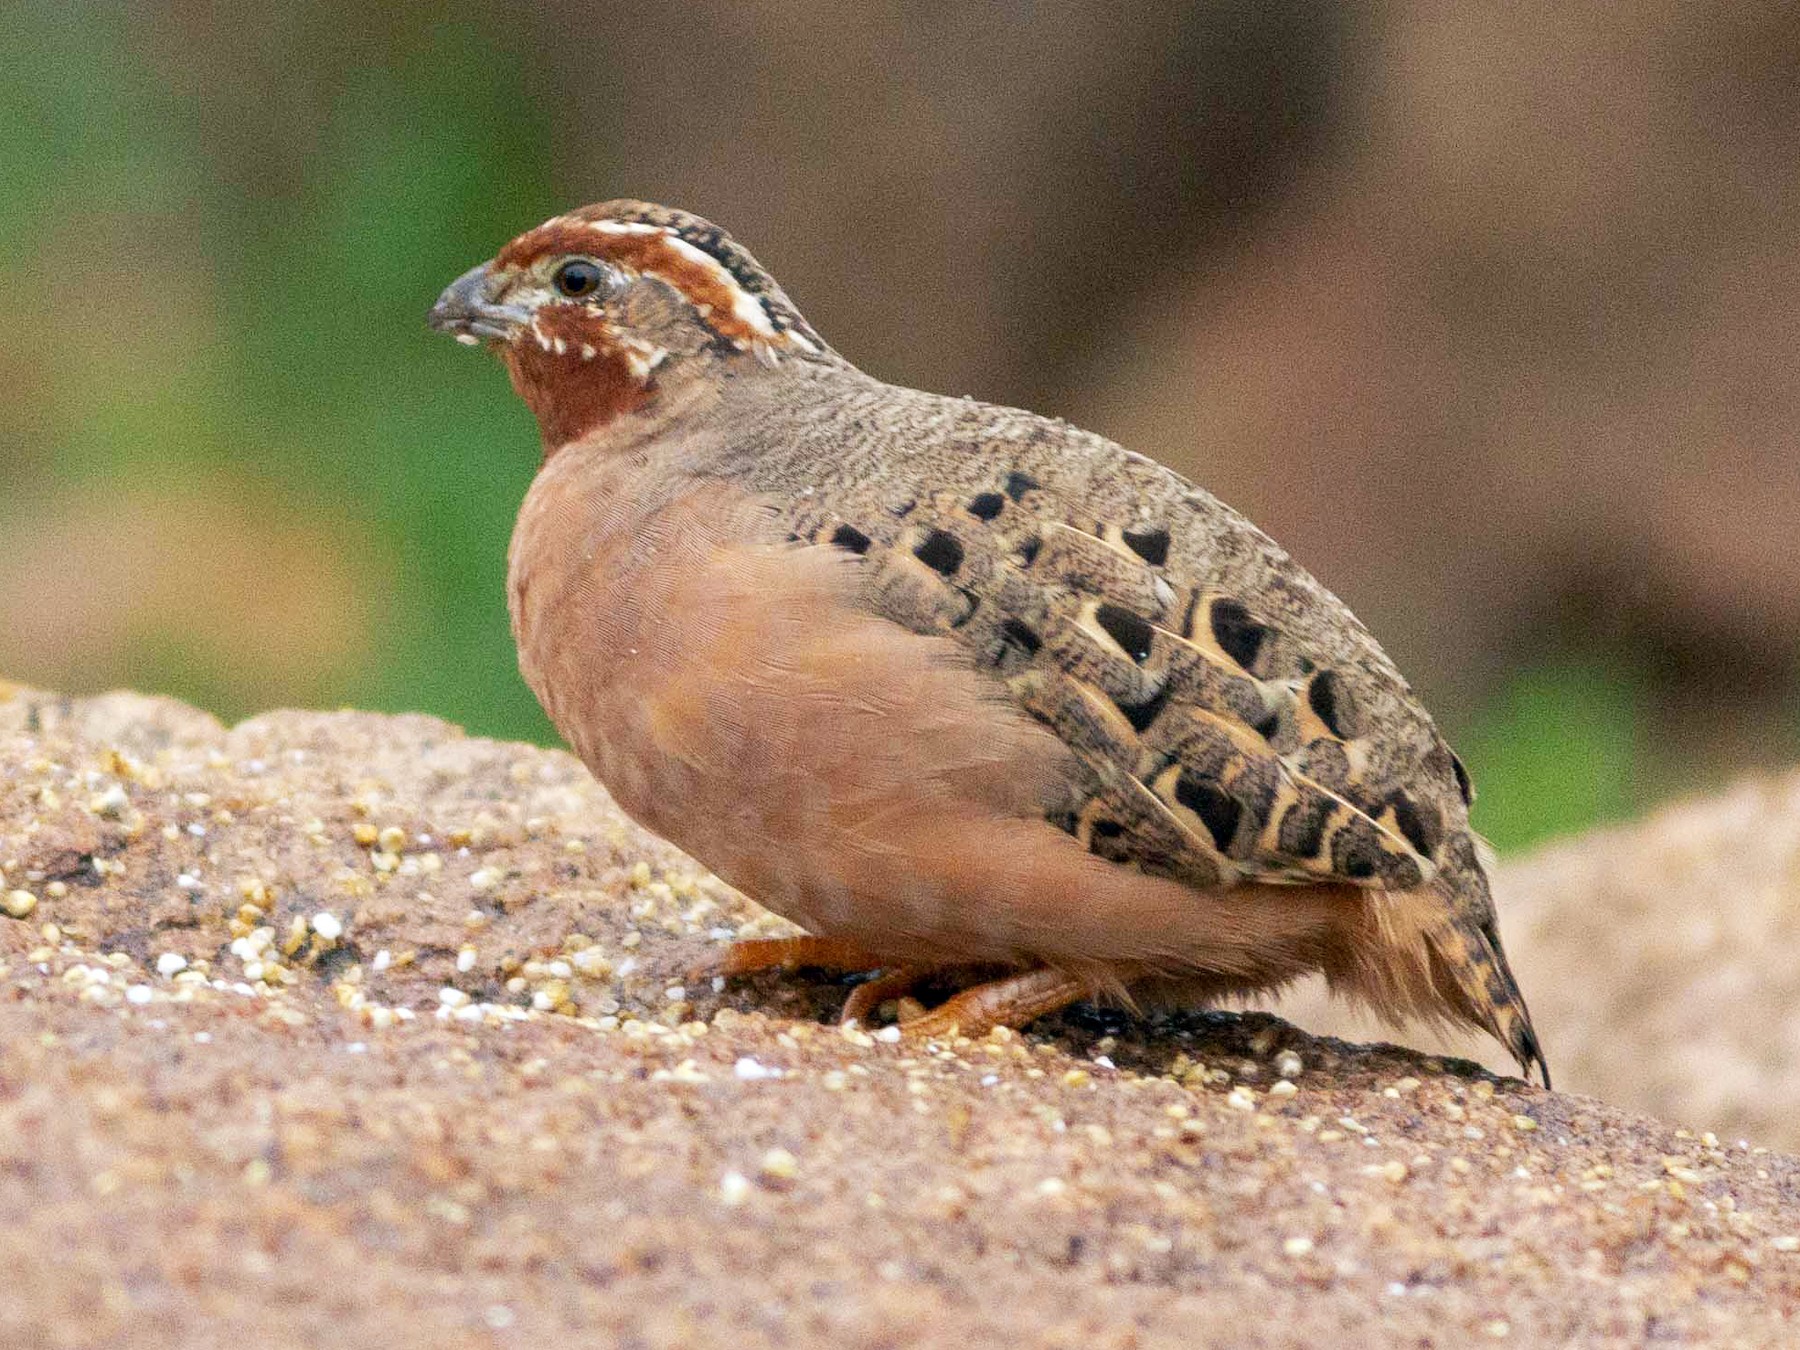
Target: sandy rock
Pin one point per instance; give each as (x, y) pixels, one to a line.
(345, 1029)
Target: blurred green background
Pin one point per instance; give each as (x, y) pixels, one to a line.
(1489, 314)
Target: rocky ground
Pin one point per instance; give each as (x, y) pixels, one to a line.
(350, 1030)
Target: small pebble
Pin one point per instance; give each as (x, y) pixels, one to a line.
(19, 903)
(734, 1189)
(1298, 1246)
(780, 1165)
(328, 926)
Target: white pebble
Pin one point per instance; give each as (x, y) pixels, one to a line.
(780, 1165)
(139, 993)
(452, 998)
(170, 964)
(111, 803)
(383, 959)
(751, 1070)
(734, 1189)
(327, 925)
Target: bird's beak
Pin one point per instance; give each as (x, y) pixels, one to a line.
(469, 311)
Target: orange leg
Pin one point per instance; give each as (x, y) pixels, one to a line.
(750, 955)
(866, 998)
(1011, 1001)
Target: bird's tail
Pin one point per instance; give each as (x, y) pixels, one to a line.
(1438, 959)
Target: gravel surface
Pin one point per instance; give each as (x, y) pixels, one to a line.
(350, 1030)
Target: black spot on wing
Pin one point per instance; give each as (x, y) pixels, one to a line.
(1130, 631)
(1322, 694)
(1218, 810)
(850, 538)
(987, 505)
(1420, 827)
(1028, 549)
(1020, 635)
(1302, 830)
(1141, 715)
(1151, 544)
(941, 552)
(1239, 636)
(1463, 785)
(1018, 484)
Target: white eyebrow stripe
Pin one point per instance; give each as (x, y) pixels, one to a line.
(623, 227)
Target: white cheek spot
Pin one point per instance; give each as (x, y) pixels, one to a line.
(468, 339)
(641, 357)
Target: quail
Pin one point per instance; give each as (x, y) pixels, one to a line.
(958, 689)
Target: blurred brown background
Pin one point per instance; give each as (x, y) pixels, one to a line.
(1489, 313)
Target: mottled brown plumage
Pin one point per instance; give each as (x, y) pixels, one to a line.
(949, 684)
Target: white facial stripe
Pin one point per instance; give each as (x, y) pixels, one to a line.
(745, 307)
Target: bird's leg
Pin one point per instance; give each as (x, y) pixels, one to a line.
(867, 997)
(1011, 1001)
(749, 955)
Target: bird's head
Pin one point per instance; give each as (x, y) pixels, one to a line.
(598, 312)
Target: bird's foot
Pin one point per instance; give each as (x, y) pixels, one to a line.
(867, 997)
(1012, 1001)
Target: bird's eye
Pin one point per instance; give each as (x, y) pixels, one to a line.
(577, 278)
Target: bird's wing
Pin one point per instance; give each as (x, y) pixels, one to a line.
(1219, 744)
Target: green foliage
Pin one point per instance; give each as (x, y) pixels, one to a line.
(318, 376)
(1562, 747)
